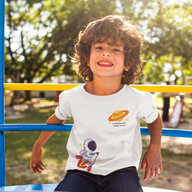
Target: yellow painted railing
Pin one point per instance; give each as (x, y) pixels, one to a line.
(62, 87)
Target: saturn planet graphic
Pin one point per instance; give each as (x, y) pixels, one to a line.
(118, 115)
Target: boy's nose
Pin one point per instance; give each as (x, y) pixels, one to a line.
(106, 54)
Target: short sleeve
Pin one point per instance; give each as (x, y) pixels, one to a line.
(63, 110)
(147, 110)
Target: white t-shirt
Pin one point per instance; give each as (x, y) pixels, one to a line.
(106, 132)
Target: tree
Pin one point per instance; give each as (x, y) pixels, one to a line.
(40, 35)
(142, 13)
(167, 32)
(170, 38)
(153, 70)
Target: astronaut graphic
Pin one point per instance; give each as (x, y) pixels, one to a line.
(87, 156)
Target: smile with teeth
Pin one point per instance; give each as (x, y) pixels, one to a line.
(105, 63)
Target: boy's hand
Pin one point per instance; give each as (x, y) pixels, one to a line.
(36, 163)
(153, 162)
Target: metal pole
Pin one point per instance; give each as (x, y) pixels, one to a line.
(2, 120)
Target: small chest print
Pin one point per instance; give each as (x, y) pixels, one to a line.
(118, 118)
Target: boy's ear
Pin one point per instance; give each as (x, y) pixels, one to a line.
(88, 64)
(126, 68)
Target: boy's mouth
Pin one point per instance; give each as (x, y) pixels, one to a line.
(105, 63)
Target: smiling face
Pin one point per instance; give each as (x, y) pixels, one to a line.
(107, 60)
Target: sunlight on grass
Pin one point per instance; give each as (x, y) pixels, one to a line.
(18, 151)
(26, 155)
(44, 110)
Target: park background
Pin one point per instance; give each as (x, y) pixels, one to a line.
(39, 43)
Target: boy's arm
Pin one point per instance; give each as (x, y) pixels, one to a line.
(36, 163)
(152, 158)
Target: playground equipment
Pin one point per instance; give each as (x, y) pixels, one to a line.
(42, 127)
(46, 127)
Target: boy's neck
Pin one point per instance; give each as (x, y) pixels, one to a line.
(103, 88)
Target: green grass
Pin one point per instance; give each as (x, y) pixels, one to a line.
(18, 147)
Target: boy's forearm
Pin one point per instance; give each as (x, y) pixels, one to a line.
(155, 131)
(45, 135)
(152, 159)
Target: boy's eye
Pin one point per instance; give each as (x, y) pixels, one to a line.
(98, 47)
(117, 50)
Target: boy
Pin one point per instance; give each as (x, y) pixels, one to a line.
(105, 144)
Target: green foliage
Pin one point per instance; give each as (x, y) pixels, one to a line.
(153, 71)
(40, 35)
(169, 36)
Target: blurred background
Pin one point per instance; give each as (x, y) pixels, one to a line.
(39, 43)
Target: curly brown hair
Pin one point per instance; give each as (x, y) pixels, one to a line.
(118, 28)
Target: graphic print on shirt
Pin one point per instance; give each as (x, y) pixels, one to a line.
(117, 119)
(87, 156)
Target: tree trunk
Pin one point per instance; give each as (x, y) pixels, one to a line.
(27, 96)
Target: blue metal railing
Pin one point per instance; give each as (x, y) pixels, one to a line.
(2, 120)
(68, 127)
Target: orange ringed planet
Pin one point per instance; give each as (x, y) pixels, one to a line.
(118, 115)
